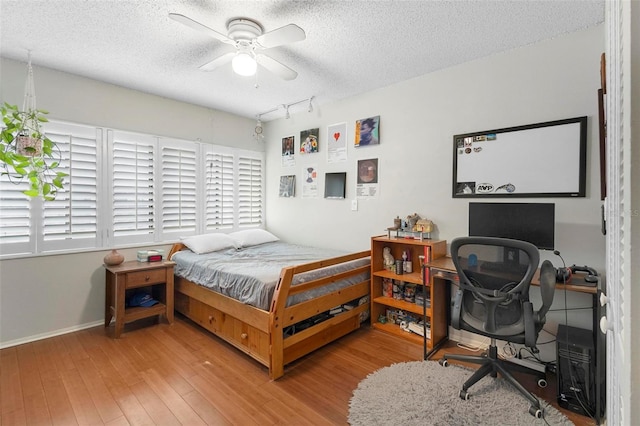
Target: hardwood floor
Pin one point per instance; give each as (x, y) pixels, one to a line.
(178, 374)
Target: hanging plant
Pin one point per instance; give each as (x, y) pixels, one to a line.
(26, 153)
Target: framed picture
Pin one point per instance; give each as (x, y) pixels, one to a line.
(287, 145)
(367, 131)
(288, 186)
(309, 141)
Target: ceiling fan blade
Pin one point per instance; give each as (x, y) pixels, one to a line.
(199, 27)
(276, 67)
(283, 35)
(218, 62)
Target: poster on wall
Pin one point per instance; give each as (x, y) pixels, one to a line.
(367, 178)
(310, 182)
(367, 131)
(337, 143)
(288, 186)
(288, 151)
(309, 141)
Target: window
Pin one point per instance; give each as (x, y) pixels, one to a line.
(127, 189)
(219, 191)
(69, 222)
(179, 189)
(249, 191)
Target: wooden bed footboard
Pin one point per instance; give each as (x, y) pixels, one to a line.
(260, 333)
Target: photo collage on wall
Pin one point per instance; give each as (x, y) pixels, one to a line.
(366, 133)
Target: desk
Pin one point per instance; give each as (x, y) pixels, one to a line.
(443, 269)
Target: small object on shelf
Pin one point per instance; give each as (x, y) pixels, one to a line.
(398, 290)
(150, 255)
(113, 258)
(389, 261)
(399, 267)
(410, 293)
(387, 287)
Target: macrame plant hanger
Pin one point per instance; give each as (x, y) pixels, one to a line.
(26, 141)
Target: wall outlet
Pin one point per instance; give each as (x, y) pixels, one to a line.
(354, 205)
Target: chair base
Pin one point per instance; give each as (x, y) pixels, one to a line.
(490, 364)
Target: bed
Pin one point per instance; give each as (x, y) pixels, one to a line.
(274, 301)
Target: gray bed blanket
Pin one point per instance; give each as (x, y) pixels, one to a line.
(251, 274)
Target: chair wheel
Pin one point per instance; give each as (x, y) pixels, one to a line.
(443, 362)
(535, 412)
(542, 383)
(464, 395)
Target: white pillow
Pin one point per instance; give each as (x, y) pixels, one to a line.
(252, 237)
(207, 243)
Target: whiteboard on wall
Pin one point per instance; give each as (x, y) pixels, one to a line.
(537, 160)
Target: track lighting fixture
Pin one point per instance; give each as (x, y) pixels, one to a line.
(286, 107)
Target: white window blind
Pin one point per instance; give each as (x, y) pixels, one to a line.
(132, 187)
(250, 178)
(219, 191)
(71, 220)
(16, 222)
(179, 188)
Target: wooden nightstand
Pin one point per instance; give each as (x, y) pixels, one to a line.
(121, 279)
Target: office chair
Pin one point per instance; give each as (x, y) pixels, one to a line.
(493, 301)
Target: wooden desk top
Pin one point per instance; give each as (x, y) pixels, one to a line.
(446, 264)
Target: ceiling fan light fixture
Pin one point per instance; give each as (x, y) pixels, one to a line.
(244, 64)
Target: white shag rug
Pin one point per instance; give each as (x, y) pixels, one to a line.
(426, 393)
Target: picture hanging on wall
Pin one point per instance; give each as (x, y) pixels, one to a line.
(310, 181)
(337, 143)
(288, 186)
(367, 131)
(288, 151)
(367, 183)
(309, 141)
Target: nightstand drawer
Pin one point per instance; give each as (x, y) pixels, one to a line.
(142, 278)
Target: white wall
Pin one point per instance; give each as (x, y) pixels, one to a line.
(551, 80)
(46, 295)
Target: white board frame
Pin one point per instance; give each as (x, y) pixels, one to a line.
(537, 160)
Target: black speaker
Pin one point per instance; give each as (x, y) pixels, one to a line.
(576, 372)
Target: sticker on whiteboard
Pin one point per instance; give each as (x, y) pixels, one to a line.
(491, 137)
(468, 141)
(480, 138)
(459, 143)
(484, 188)
(477, 149)
(467, 150)
(465, 188)
(509, 187)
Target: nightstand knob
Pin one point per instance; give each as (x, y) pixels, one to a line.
(243, 336)
(210, 319)
(147, 278)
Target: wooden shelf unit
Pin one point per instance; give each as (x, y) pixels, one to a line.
(436, 312)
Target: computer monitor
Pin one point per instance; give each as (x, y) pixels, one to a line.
(335, 185)
(532, 222)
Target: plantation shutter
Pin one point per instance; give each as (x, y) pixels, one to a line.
(15, 217)
(71, 220)
(219, 197)
(250, 175)
(132, 187)
(179, 188)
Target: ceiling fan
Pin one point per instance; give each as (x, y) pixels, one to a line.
(248, 37)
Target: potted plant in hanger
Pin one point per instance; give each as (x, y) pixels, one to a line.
(26, 153)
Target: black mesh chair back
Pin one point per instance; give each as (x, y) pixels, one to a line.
(495, 275)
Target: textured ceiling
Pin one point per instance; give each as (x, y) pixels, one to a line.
(351, 46)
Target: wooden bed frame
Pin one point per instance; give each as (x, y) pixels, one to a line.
(259, 333)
